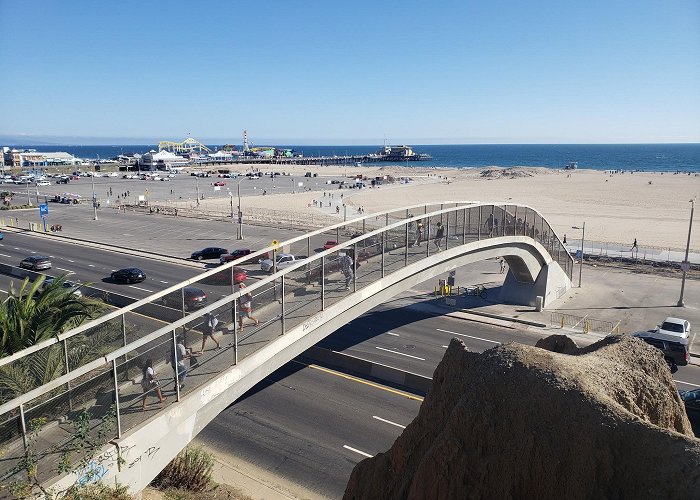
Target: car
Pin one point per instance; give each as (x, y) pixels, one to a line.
(242, 252)
(43, 183)
(330, 244)
(62, 180)
(208, 253)
(129, 275)
(194, 298)
(2, 235)
(675, 326)
(36, 263)
(691, 399)
(219, 183)
(65, 284)
(164, 179)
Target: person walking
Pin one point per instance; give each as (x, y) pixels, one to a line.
(149, 383)
(177, 354)
(419, 233)
(346, 268)
(210, 326)
(502, 263)
(245, 308)
(635, 249)
(439, 234)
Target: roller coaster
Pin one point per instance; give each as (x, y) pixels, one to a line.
(189, 145)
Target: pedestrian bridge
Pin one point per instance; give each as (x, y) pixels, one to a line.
(88, 424)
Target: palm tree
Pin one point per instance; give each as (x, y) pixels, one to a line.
(32, 315)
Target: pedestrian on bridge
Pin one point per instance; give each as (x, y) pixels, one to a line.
(210, 326)
(346, 268)
(245, 307)
(149, 383)
(439, 235)
(177, 355)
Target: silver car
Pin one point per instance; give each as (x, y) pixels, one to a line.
(36, 263)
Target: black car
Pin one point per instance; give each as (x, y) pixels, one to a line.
(691, 399)
(36, 263)
(129, 275)
(209, 253)
(194, 298)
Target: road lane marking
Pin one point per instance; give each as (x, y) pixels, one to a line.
(71, 261)
(469, 336)
(164, 282)
(66, 270)
(392, 333)
(361, 381)
(445, 347)
(388, 421)
(400, 353)
(142, 289)
(357, 451)
(687, 383)
(4, 255)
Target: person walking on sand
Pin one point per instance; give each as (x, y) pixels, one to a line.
(208, 331)
(439, 234)
(149, 383)
(634, 249)
(245, 308)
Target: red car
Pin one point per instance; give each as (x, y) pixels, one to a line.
(223, 278)
(220, 183)
(330, 244)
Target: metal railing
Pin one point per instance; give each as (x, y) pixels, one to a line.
(101, 362)
(584, 324)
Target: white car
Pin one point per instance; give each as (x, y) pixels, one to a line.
(675, 326)
(43, 183)
(112, 174)
(162, 178)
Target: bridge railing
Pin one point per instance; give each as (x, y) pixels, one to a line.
(95, 371)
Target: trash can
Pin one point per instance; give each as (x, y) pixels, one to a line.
(538, 303)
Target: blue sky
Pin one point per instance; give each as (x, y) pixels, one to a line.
(320, 72)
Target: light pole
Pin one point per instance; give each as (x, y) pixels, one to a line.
(197, 188)
(240, 215)
(580, 262)
(94, 198)
(685, 265)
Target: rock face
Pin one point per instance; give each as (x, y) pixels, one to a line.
(516, 421)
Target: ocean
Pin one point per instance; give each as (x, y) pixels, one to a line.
(643, 157)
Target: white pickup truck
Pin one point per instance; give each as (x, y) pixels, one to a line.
(283, 260)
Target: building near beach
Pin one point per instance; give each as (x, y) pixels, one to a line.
(162, 160)
(21, 158)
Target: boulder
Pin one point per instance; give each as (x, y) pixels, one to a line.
(517, 421)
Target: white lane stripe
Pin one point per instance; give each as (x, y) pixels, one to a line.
(66, 270)
(142, 289)
(445, 347)
(164, 282)
(71, 261)
(8, 256)
(687, 383)
(357, 451)
(469, 336)
(400, 353)
(388, 421)
(392, 333)
(91, 265)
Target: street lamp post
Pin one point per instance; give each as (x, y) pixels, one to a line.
(240, 215)
(685, 265)
(197, 188)
(580, 262)
(94, 198)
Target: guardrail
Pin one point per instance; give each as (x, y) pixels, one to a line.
(585, 324)
(100, 391)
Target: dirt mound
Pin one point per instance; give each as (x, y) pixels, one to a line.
(523, 422)
(512, 172)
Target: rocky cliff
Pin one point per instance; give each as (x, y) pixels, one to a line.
(553, 421)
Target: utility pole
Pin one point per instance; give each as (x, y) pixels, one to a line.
(685, 265)
(580, 262)
(94, 197)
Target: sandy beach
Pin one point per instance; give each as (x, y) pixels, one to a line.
(654, 208)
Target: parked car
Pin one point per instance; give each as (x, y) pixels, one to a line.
(330, 244)
(691, 399)
(62, 180)
(65, 284)
(675, 350)
(194, 298)
(36, 263)
(129, 275)
(208, 253)
(219, 183)
(242, 252)
(284, 260)
(675, 326)
(43, 183)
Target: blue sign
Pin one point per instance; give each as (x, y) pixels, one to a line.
(43, 209)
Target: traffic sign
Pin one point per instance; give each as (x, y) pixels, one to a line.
(43, 209)
(685, 266)
(275, 243)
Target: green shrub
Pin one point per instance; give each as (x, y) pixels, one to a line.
(97, 491)
(190, 470)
